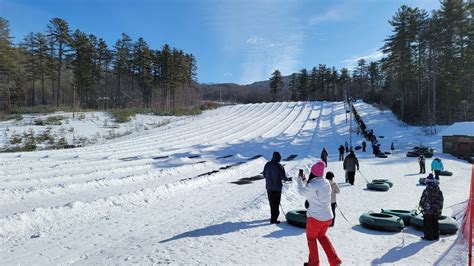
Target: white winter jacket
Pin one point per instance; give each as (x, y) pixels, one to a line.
(318, 194)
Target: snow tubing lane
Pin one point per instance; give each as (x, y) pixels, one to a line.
(406, 215)
(297, 218)
(447, 225)
(381, 221)
(390, 183)
(446, 173)
(378, 186)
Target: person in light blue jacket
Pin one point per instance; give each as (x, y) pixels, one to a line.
(437, 167)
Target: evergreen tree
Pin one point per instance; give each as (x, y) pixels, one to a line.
(303, 84)
(58, 30)
(292, 87)
(276, 84)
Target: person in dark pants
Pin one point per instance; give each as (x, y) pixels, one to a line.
(341, 153)
(347, 146)
(324, 156)
(350, 164)
(437, 167)
(274, 173)
(431, 205)
(364, 145)
(334, 190)
(421, 162)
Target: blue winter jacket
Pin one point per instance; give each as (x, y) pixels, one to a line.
(437, 165)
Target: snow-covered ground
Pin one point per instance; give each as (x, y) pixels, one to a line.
(166, 195)
(83, 128)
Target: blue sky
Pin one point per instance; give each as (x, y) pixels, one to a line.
(238, 41)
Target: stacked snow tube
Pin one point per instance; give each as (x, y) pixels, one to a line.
(446, 173)
(447, 225)
(390, 183)
(378, 186)
(406, 215)
(381, 221)
(296, 218)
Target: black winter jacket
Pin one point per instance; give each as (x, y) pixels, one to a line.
(274, 173)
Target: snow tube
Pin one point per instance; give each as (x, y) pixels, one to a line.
(390, 183)
(447, 225)
(406, 215)
(358, 147)
(446, 173)
(382, 155)
(412, 154)
(381, 221)
(296, 218)
(379, 186)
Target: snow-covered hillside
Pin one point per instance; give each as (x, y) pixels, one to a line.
(82, 128)
(175, 194)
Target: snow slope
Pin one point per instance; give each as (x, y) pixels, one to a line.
(166, 195)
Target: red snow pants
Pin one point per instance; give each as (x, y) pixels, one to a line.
(316, 231)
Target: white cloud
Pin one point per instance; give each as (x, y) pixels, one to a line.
(266, 36)
(372, 55)
(333, 14)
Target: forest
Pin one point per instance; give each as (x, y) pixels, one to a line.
(65, 68)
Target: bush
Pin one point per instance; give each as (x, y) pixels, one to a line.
(16, 139)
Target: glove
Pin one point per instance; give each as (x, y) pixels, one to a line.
(440, 211)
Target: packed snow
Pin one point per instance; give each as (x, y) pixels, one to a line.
(178, 193)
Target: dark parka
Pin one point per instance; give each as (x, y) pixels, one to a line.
(431, 201)
(274, 173)
(350, 163)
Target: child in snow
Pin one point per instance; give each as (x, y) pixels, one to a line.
(421, 161)
(431, 205)
(319, 215)
(334, 190)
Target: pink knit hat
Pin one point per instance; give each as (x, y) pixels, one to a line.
(318, 168)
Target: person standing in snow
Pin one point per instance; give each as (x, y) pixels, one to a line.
(364, 145)
(274, 173)
(431, 205)
(319, 215)
(347, 146)
(350, 164)
(437, 167)
(421, 162)
(334, 190)
(324, 156)
(341, 153)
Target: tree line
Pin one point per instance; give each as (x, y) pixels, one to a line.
(425, 76)
(61, 67)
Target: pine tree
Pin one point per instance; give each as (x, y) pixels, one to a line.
(276, 84)
(122, 50)
(292, 87)
(303, 84)
(58, 30)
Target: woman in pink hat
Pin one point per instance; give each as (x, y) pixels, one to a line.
(318, 193)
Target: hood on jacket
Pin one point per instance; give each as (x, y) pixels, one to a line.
(276, 157)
